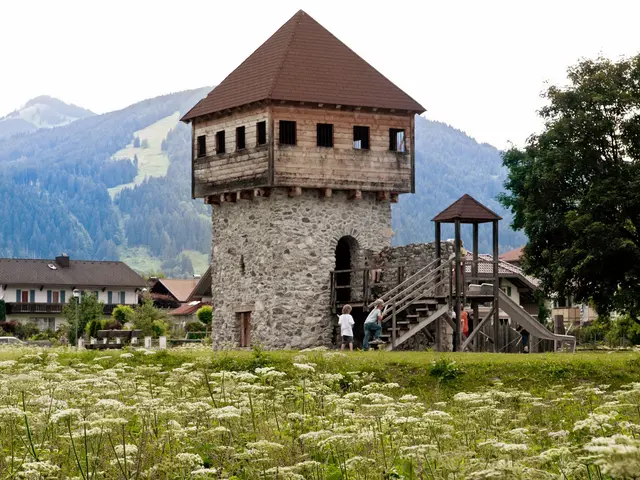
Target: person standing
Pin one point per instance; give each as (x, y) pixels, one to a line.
(346, 323)
(372, 325)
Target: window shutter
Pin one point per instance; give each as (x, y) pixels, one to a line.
(18, 296)
(48, 296)
(62, 295)
(122, 298)
(32, 296)
(109, 297)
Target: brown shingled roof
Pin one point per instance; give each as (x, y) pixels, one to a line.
(468, 210)
(16, 271)
(179, 288)
(304, 62)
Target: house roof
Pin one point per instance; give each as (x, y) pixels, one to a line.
(304, 62)
(186, 308)
(513, 255)
(16, 271)
(467, 210)
(505, 269)
(203, 288)
(179, 288)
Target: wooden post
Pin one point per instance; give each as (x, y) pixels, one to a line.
(393, 327)
(474, 275)
(438, 278)
(456, 330)
(496, 287)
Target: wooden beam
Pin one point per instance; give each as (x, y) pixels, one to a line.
(394, 198)
(295, 191)
(326, 192)
(355, 195)
(261, 192)
(213, 199)
(247, 195)
(384, 196)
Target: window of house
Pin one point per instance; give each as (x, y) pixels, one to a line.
(121, 298)
(202, 146)
(109, 297)
(62, 296)
(261, 132)
(396, 140)
(244, 324)
(360, 137)
(325, 135)
(240, 138)
(509, 291)
(287, 132)
(220, 142)
(55, 297)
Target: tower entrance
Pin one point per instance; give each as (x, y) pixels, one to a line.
(345, 253)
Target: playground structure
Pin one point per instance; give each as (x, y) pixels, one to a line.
(428, 301)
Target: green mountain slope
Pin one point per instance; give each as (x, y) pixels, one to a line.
(119, 186)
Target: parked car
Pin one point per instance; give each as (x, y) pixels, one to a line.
(10, 341)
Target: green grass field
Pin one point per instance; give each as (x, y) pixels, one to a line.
(318, 415)
(152, 161)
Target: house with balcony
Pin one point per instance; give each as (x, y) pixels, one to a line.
(37, 290)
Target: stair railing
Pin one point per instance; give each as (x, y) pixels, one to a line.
(411, 289)
(420, 273)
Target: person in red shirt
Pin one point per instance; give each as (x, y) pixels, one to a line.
(464, 323)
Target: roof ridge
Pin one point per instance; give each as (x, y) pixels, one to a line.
(286, 50)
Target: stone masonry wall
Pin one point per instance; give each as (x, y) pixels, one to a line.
(273, 255)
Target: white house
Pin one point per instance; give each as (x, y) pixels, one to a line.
(36, 290)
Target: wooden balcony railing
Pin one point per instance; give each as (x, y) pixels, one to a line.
(29, 307)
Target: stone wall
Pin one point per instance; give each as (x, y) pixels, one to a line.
(272, 256)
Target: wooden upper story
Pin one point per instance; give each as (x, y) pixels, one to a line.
(303, 111)
(298, 146)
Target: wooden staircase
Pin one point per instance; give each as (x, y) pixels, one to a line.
(416, 303)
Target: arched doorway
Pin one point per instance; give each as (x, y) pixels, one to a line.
(345, 253)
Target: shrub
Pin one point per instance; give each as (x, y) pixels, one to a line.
(194, 327)
(159, 327)
(3, 311)
(8, 327)
(112, 324)
(26, 331)
(92, 328)
(123, 314)
(146, 315)
(205, 314)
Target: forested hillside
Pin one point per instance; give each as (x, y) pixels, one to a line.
(449, 164)
(56, 183)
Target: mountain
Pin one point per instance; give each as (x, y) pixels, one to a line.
(41, 112)
(118, 186)
(449, 163)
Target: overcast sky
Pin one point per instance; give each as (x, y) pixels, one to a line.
(477, 65)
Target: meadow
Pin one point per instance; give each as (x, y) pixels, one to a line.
(317, 415)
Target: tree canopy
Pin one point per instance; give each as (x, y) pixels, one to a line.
(574, 188)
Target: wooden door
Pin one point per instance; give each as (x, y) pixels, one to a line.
(244, 319)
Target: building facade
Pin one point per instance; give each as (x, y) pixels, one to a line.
(37, 290)
(300, 151)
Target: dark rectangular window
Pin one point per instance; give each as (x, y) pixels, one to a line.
(202, 146)
(261, 128)
(220, 142)
(325, 135)
(25, 296)
(240, 138)
(287, 132)
(361, 138)
(396, 140)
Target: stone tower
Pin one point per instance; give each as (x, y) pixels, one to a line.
(300, 151)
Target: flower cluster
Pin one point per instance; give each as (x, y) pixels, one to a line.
(131, 416)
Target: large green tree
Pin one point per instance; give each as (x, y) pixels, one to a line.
(575, 188)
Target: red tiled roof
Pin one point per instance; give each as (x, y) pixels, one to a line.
(186, 308)
(512, 255)
(304, 62)
(468, 210)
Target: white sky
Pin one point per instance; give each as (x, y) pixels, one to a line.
(478, 65)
